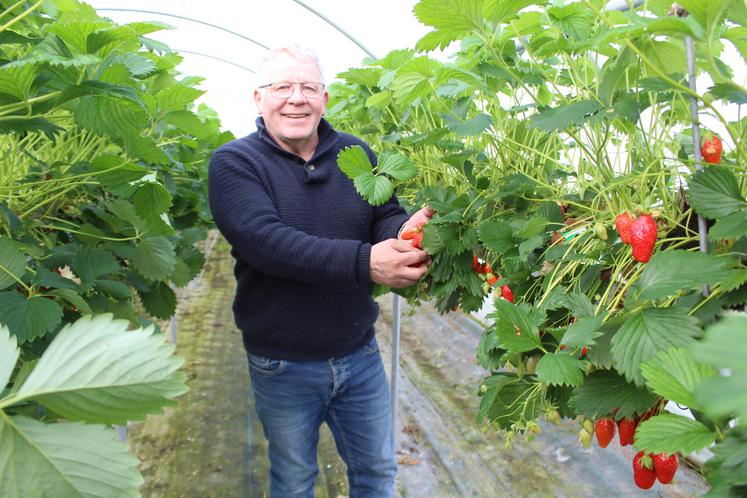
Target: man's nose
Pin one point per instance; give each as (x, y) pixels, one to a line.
(296, 94)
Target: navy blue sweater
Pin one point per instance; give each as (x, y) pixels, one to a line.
(301, 236)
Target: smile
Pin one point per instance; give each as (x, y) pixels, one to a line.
(295, 116)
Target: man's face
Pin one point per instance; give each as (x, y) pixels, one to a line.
(292, 121)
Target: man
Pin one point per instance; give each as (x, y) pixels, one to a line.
(307, 247)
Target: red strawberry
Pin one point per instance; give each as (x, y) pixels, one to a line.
(643, 235)
(626, 429)
(476, 265)
(417, 240)
(491, 279)
(643, 472)
(486, 268)
(604, 428)
(623, 223)
(711, 149)
(507, 294)
(410, 234)
(584, 350)
(665, 467)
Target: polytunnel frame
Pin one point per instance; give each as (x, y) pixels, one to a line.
(612, 5)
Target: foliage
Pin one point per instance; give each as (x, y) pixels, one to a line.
(550, 119)
(103, 168)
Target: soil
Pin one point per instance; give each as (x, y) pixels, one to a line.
(211, 445)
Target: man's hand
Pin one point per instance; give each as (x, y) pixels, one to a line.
(418, 219)
(393, 260)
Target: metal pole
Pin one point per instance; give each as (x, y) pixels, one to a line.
(396, 302)
(690, 54)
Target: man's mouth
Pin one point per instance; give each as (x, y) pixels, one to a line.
(295, 116)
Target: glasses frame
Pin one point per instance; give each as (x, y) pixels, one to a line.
(300, 85)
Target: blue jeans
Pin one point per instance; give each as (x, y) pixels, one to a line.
(351, 394)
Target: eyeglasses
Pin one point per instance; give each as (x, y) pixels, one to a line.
(284, 89)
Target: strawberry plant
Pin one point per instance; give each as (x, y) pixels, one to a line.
(103, 157)
(550, 121)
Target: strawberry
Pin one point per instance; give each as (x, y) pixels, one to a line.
(643, 235)
(711, 149)
(417, 240)
(604, 428)
(665, 467)
(626, 429)
(623, 223)
(410, 234)
(507, 294)
(491, 279)
(584, 350)
(643, 473)
(476, 265)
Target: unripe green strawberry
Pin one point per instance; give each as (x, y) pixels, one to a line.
(604, 428)
(623, 223)
(600, 230)
(665, 467)
(643, 473)
(643, 235)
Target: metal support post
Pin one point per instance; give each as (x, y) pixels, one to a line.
(396, 303)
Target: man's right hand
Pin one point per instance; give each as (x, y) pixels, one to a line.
(393, 260)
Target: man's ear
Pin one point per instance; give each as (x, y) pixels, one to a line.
(258, 101)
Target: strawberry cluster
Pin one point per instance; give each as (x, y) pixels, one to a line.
(484, 269)
(640, 232)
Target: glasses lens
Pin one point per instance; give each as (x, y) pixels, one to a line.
(284, 89)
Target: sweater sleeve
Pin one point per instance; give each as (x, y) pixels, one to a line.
(246, 216)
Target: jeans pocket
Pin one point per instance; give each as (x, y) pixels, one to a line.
(265, 366)
(372, 347)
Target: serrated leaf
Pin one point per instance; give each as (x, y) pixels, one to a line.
(514, 328)
(604, 391)
(497, 235)
(95, 87)
(560, 369)
(187, 121)
(176, 98)
(715, 192)
(72, 458)
(563, 116)
(151, 200)
(670, 433)
(578, 304)
(115, 117)
(92, 263)
(16, 79)
(29, 318)
(470, 127)
(71, 297)
(9, 353)
(154, 257)
(375, 189)
(398, 166)
(647, 332)
(366, 76)
(113, 288)
(12, 263)
(673, 374)
(160, 301)
(508, 399)
(583, 332)
(732, 226)
(675, 270)
(729, 92)
(20, 124)
(97, 371)
(138, 65)
(353, 161)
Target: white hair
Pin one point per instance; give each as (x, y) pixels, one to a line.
(296, 52)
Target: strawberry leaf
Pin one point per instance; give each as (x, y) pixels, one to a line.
(29, 318)
(12, 262)
(560, 369)
(497, 236)
(606, 390)
(353, 161)
(715, 192)
(397, 166)
(514, 327)
(507, 399)
(669, 433)
(674, 374)
(154, 257)
(583, 331)
(375, 189)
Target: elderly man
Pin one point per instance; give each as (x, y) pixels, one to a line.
(307, 247)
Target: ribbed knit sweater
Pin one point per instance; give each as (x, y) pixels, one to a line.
(301, 236)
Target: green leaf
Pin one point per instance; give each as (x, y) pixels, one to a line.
(154, 257)
(647, 332)
(497, 235)
(471, 127)
(715, 192)
(673, 374)
(97, 371)
(9, 353)
(353, 161)
(729, 92)
(560, 369)
(583, 331)
(30, 318)
(724, 347)
(604, 391)
(152, 200)
(114, 289)
(561, 117)
(95, 87)
(160, 301)
(508, 399)
(137, 65)
(16, 79)
(672, 271)
(112, 116)
(187, 121)
(668, 433)
(514, 328)
(12, 263)
(71, 297)
(20, 124)
(92, 263)
(71, 458)
(176, 98)
(452, 18)
(731, 226)
(375, 189)
(579, 304)
(397, 166)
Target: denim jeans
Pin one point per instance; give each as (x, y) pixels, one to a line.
(351, 394)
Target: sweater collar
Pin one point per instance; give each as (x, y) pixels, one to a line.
(328, 136)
